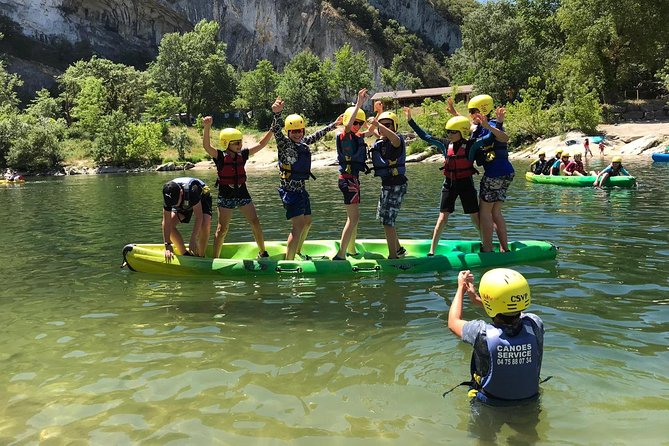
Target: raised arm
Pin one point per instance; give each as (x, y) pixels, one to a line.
(261, 145)
(422, 134)
(455, 321)
(206, 139)
(362, 97)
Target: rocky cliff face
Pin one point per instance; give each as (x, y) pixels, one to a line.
(253, 29)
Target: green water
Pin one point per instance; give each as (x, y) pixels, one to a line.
(94, 354)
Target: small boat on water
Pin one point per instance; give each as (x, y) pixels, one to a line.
(239, 259)
(661, 157)
(580, 181)
(14, 181)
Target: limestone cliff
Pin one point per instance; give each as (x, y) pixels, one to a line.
(253, 29)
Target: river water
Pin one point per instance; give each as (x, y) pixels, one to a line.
(95, 354)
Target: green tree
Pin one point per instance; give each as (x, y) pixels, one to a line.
(613, 46)
(37, 145)
(44, 105)
(112, 139)
(193, 66)
(161, 105)
(181, 142)
(306, 85)
(8, 85)
(351, 72)
(144, 145)
(12, 128)
(257, 92)
(124, 87)
(396, 77)
(89, 106)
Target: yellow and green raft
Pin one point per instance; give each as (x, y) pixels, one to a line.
(580, 181)
(239, 259)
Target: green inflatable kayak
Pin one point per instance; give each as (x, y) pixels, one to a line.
(576, 181)
(239, 259)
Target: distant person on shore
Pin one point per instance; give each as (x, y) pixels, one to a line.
(295, 168)
(601, 148)
(560, 165)
(388, 160)
(351, 155)
(612, 170)
(586, 148)
(458, 171)
(538, 165)
(575, 167)
(184, 197)
(230, 163)
(498, 171)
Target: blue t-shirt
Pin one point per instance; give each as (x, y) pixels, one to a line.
(500, 166)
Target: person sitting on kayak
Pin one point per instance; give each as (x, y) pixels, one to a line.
(559, 165)
(351, 155)
(184, 197)
(458, 171)
(295, 166)
(538, 166)
(508, 350)
(612, 170)
(575, 168)
(232, 190)
(388, 160)
(550, 162)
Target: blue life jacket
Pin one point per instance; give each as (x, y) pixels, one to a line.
(384, 166)
(515, 364)
(351, 153)
(494, 156)
(193, 189)
(300, 169)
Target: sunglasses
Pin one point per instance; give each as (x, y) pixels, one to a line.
(297, 131)
(452, 132)
(473, 111)
(358, 123)
(387, 123)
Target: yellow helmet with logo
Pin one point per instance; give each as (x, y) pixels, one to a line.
(359, 115)
(617, 159)
(389, 115)
(565, 154)
(482, 102)
(461, 124)
(228, 135)
(294, 122)
(504, 291)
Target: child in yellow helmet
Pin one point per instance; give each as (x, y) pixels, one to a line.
(294, 158)
(232, 191)
(508, 350)
(612, 170)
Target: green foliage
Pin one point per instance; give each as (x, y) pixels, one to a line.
(663, 76)
(417, 146)
(112, 139)
(144, 146)
(8, 84)
(43, 105)
(456, 10)
(257, 92)
(12, 128)
(89, 106)
(36, 145)
(123, 87)
(193, 66)
(181, 142)
(396, 77)
(306, 85)
(161, 105)
(434, 117)
(351, 72)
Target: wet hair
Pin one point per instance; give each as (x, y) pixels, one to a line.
(171, 191)
(510, 323)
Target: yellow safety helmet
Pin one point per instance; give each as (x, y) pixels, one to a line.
(359, 115)
(389, 115)
(228, 135)
(567, 154)
(294, 122)
(577, 154)
(504, 291)
(617, 159)
(558, 151)
(461, 124)
(542, 152)
(482, 102)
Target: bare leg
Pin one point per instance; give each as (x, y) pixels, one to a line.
(392, 240)
(224, 217)
(175, 236)
(350, 229)
(300, 225)
(305, 232)
(486, 221)
(203, 236)
(351, 243)
(500, 226)
(249, 212)
(438, 229)
(476, 220)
